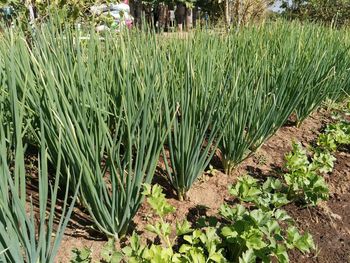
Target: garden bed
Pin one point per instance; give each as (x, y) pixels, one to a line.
(329, 222)
(106, 131)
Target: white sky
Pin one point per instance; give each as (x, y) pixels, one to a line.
(275, 7)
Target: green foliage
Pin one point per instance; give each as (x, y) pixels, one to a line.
(246, 189)
(323, 162)
(135, 250)
(266, 196)
(335, 135)
(110, 131)
(264, 231)
(67, 10)
(243, 236)
(302, 242)
(307, 74)
(156, 199)
(64, 10)
(203, 246)
(341, 132)
(303, 181)
(200, 113)
(326, 141)
(297, 159)
(106, 108)
(200, 246)
(303, 178)
(212, 171)
(81, 255)
(18, 15)
(258, 234)
(331, 12)
(31, 228)
(109, 253)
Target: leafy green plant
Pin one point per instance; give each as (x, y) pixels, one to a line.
(269, 195)
(327, 141)
(211, 171)
(323, 161)
(303, 181)
(81, 255)
(199, 246)
(156, 199)
(109, 253)
(203, 246)
(303, 178)
(242, 235)
(335, 135)
(252, 235)
(263, 231)
(246, 189)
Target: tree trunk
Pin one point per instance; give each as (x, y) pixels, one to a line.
(194, 17)
(162, 23)
(189, 19)
(227, 14)
(136, 12)
(180, 14)
(148, 15)
(238, 13)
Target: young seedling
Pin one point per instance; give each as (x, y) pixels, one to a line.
(199, 246)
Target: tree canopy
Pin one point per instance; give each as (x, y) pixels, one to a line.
(335, 12)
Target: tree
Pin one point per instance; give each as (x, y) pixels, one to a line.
(67, 10)
(332, 12)
(241, 12)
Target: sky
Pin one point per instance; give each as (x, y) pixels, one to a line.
(276, 6)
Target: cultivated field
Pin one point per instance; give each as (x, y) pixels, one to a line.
(89, 127)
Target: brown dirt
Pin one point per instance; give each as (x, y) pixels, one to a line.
(329, 223)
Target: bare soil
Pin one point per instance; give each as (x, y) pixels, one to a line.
(329, 223)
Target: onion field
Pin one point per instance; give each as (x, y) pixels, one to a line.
(101, 116)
